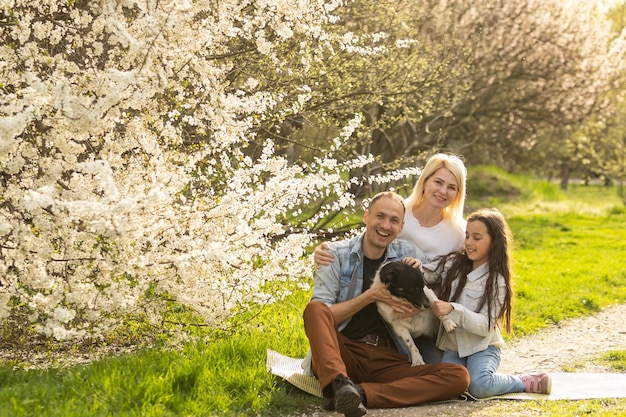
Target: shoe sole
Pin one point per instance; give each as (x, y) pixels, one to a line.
(347, 401)
(549, 386)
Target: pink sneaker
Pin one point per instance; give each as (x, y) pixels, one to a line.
(537, 383)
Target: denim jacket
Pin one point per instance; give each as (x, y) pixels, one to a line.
(342, 280)
(473, 334)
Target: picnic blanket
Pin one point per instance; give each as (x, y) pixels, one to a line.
(565, 385)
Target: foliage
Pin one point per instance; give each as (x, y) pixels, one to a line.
(500, 83)
(539, 67)
(594, 149)
(150, 151)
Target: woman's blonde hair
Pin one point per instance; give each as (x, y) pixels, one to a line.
(454, 164)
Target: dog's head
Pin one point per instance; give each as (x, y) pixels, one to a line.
(404, 281)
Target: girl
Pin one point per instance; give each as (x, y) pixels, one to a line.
(477, 281)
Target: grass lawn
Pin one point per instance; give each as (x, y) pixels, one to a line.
(569, 261)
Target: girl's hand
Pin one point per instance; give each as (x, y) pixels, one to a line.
(441, 308)
(321, 256)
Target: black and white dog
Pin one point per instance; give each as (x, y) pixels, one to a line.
(407, 283)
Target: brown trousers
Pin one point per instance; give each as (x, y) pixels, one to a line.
(386, 375)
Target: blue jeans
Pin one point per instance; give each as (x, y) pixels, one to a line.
(428, 349)
(482, 366)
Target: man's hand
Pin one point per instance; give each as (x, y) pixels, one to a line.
(321, 256)
(381, 293)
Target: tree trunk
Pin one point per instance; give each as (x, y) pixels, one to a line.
(565, 173)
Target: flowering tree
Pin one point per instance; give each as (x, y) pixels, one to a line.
(125, 181)
(545, 64)
(487, 79)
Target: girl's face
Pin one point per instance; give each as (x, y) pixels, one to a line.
(441, 188)
(477, 243)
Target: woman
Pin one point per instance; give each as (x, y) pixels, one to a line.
(433, 219)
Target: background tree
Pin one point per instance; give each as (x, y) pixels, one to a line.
(592, 149)
(127, 191)
(482, 79)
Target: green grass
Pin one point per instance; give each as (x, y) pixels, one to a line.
(569, 262)
(222, 375)
(573, 258)
(615, 359)
(609, 407)
(568, 246)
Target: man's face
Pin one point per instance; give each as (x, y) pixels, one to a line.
(383, 221)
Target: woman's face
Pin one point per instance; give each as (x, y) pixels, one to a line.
(441, 188)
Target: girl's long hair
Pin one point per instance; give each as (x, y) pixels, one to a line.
(499, 264)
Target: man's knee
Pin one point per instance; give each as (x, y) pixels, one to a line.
(315, 310)
(462, 377)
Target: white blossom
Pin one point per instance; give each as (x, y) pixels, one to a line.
(64, 315)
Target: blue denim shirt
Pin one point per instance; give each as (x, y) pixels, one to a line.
(342, 280)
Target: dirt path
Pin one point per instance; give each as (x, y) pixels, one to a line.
(572, 344)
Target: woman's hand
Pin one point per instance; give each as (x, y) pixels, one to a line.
(415, 263)
(321, 256)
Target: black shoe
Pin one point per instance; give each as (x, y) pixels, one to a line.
(328, 404)
(348, 400)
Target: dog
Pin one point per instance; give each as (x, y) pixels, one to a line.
(405, 282)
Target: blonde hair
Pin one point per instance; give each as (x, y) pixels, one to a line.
(454, 164)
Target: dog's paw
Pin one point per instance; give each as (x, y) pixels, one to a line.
(418, 362)
(416, 359)
(448, 324)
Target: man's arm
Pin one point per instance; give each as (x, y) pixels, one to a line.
(345, 310)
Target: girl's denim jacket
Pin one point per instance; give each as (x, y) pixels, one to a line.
(474, 332)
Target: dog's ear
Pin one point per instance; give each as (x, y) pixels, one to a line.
(409, 270)
(385, 273)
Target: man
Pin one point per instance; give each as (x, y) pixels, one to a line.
(350, 343)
